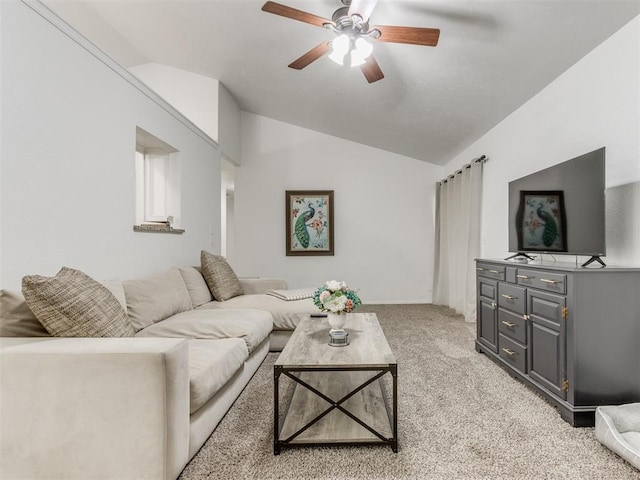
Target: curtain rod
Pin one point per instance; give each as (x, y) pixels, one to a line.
(481, 158)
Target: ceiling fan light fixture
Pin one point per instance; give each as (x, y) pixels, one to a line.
(358, 50)
(361, 52)
(350, 24)
(340, 45)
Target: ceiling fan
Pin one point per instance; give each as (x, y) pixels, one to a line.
(351, 25)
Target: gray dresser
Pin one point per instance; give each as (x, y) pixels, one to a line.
(570, 333)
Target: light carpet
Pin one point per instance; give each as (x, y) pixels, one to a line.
(460, 416)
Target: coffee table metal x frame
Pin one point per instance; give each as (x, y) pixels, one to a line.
(392, 412)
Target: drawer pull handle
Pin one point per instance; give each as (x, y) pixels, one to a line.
(480, 269)
(509, 352)
(494, 271)
(552, 282)
(524, 277)
(509, 324)
(493, 305)
(509, 297)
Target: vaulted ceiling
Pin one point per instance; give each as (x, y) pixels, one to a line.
(492, 56)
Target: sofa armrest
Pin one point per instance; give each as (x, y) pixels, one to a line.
(94, 407)
(261, 285)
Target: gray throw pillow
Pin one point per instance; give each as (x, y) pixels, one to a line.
(72, 304)
(220, 277)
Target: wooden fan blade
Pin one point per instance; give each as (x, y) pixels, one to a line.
(411, 35)
(311, 56)
(295, 14)
(371, 70)
(363, 8)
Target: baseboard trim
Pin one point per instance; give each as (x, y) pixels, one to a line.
(422, 301)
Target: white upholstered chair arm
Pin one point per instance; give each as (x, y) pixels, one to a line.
(94, 407)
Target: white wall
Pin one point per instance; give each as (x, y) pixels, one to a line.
(204, 100)
(67, 151)
(196, 96)
(593, 104)
(208, 104)
(384, 209)
(67, 176)
(228, 125)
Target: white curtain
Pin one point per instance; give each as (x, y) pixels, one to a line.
(458, 219)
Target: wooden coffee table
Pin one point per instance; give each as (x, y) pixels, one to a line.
(336, 395)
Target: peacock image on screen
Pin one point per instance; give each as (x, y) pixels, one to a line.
(542, 221)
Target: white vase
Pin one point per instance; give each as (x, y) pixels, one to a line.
(336, 321)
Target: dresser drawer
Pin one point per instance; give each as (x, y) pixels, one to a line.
(512, 325)
(490, 271)
(488, 288)
(551, 282)
(547, 309)
(512, 297)
(513, 353)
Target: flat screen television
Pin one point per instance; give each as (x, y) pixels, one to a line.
(560, 210)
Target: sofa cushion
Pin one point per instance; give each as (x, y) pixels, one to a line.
(212, 363)
(253, 326)
(156, 297)
(220, 277)
(72, 304)
(16, 318)
(251, 285)
(286, 315)
(115, 286)
(196, 286)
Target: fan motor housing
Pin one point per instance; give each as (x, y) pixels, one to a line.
(345, 24)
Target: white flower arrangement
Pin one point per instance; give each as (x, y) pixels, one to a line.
(336, 297)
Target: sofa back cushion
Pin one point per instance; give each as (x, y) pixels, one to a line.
(115, 286)
(72, 304)
(155, 297)
(16, 318)
(220, 277)
(196, 286)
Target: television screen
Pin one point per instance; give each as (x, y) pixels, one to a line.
(560, 209)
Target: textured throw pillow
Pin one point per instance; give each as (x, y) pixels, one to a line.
(220, 277)
(72, 304)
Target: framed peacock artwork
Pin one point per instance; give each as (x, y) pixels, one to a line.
(541, 221)
(309, 222)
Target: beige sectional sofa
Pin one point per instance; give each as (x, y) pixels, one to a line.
(134, 407)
